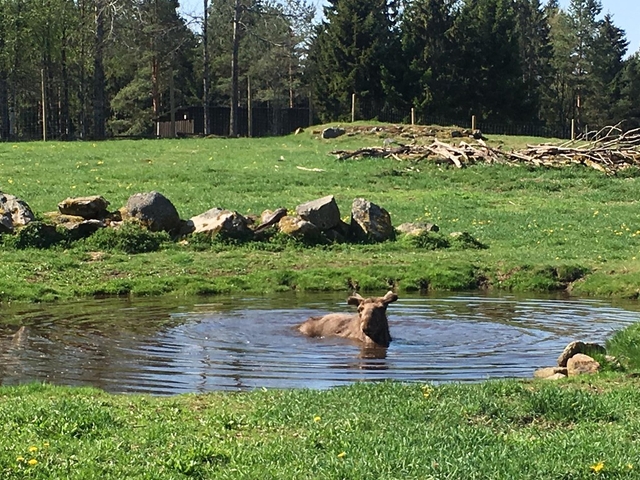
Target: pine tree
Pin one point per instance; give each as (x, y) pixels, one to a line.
(353, 52)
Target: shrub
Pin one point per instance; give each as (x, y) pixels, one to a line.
(36, 235)
(130, 237)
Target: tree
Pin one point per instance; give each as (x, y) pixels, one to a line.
(352, 52)
(428, 46)
(488, 69)
(535, 55)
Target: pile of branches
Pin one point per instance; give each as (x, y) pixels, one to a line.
(608, 150)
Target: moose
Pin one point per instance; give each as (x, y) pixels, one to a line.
(369, 326)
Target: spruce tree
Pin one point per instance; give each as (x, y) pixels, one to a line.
(353, 52)
(428, 48)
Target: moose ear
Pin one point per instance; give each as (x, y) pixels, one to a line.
(390, 297)
(355, 299)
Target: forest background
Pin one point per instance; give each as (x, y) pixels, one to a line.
(102, 68)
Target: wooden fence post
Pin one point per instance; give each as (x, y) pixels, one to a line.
(44, 107)
(573, 129)
(473, 122)
(353, 108)
(413, 116)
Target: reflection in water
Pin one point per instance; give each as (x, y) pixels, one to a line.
(156, 346)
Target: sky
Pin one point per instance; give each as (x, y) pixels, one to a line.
(626, 15)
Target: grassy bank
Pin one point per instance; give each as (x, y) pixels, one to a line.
(494, 430)
(546, 229)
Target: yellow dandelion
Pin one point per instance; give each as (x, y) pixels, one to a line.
(629, 466)
(33, 449)
(316, 419)
(20, 459)
(342, 454)
(598, 467)
(46, 444)
(33, 462)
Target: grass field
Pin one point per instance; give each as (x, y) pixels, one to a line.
(493, 430)
(546, 229)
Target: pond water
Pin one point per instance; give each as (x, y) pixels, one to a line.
(171, 346)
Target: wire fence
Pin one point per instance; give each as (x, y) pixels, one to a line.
(30, 122)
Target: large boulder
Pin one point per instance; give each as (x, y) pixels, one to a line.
(575, 348)
(370, 222)
(93, 207)
(83, 229)
(220, 222)
(14, 212)
(322, 212)
(581, 364)
(154, 211)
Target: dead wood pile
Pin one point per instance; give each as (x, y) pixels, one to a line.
(608, 151)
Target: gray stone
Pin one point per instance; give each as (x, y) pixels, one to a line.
(323, 212)
(217, 221)
(18, 209)
(93, 207)
(154, 211)
(579, 347)
(370, 222)
(581, 364)
(333, 132)
(555, 376)
(417, 228)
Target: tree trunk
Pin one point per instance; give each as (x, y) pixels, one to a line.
(99, 95)
(205, 73)
(4, 107)
(65, 122)
(233, 112)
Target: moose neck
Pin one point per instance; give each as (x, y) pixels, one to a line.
(382, 337)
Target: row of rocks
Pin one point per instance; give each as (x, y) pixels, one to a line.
(315, 219)
(575, 360)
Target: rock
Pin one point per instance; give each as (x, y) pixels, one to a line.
(556, 376)
(581, 364)
(17, 209)
(58, 218)
(370, 222)
(477, 134)
(298, 131)
(269, 218)
(220, 222)
(417, 228)
(550, 372)
(297, 227)
(323, 212)
(93, 207)
(579, 347)
(6, 222)
(456, 134)
(333, 132)
(85, 228)
(154, 211)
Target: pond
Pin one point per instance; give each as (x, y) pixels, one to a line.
(170, 346)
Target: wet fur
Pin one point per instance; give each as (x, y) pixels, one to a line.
(369, 326)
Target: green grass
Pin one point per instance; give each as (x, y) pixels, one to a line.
(494, 430)
(538, 224)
